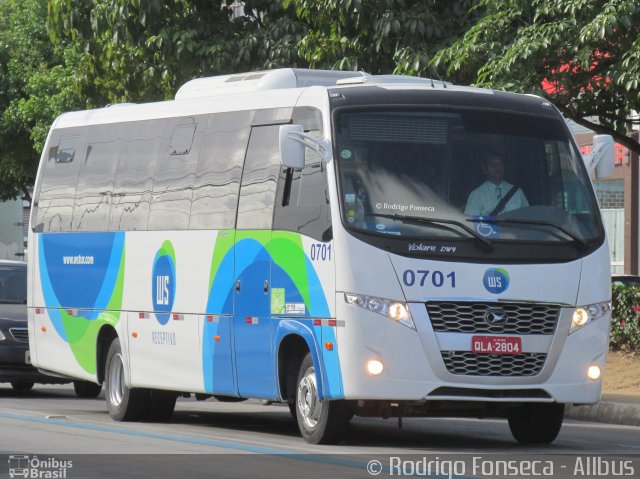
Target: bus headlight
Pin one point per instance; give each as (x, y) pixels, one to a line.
(395, 310)
(584, 315)
(2, 336)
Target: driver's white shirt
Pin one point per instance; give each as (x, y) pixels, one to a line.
(484, 199)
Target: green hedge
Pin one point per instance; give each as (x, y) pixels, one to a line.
(625, 318)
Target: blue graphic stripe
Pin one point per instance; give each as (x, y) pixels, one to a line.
(111, 276)
(50, 298)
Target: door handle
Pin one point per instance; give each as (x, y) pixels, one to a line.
(238, 286)
(266, 285)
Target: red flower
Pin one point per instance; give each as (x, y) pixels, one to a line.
(635, 308)
(622, 323)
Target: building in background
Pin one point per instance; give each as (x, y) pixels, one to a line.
(12, 233)
(618, 199)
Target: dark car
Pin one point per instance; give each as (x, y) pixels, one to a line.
(14, 337)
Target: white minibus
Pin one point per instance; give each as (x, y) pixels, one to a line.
(344, 243)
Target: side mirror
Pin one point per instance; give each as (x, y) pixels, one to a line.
(291, 148)
(601, 157)
(605, 147)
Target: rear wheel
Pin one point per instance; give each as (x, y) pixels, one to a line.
(22, 385)
(86, 389)
(320, 422)
(536, 423)
(123, 403)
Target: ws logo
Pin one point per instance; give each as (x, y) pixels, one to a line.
(163, 282)
(496, 280)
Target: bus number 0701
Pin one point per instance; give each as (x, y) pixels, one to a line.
(320, 252)
(438, 278)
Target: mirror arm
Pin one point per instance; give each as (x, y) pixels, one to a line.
(323, 148)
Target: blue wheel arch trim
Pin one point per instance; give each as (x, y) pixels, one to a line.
(298, 328)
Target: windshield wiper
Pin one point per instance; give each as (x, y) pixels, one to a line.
(486, 244)
(571, 235)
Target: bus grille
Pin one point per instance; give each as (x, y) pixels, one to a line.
(467, 363)
(518, 318)
(20, 334)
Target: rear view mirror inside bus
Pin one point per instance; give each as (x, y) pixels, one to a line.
(291, 148)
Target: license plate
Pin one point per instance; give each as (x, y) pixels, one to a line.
(496, 345)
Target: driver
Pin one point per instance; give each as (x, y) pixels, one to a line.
(490, 195)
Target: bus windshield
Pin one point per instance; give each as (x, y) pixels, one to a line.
(454, 173)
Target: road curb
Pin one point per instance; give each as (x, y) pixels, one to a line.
(612, 412)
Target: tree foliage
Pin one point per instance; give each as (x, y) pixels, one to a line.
(135, 50)
(583, 55)
(34, 89)
(380, 36)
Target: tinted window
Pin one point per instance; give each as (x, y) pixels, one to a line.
(175, 172)
(59, 175)
(13, 284)
(302, 204)
(95, 182)
(217, 181)
(259, 179)
(134, 178)
(432, 173)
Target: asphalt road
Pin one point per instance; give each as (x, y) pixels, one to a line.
(212, 439)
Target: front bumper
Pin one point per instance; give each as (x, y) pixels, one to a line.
(13, 366)
(414, 369)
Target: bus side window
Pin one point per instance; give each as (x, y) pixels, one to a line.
(217, 180)
(259, 179)
(134, 178)
(175, 173)
(92, 207)
(302, 204)
(53, 202)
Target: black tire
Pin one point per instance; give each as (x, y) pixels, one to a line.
(536, 423)
(86, 389)
(163, 404)
(123, 403)
(320, 422)
(22, 385)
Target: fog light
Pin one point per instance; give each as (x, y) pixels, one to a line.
(375, 367)
(594, 373)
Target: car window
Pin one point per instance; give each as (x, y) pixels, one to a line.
(13, 285)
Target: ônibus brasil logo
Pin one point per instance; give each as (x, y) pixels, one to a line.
(163, 282)
(496, 280)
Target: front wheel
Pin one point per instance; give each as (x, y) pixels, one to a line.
(123, 403)
(536, 423)
(320, 422)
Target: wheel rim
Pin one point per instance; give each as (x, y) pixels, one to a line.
(309, 404)
(116, 380)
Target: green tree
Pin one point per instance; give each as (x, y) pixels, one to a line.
(32, 91)
(380, 36)
(583, 55)
(139, 51)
